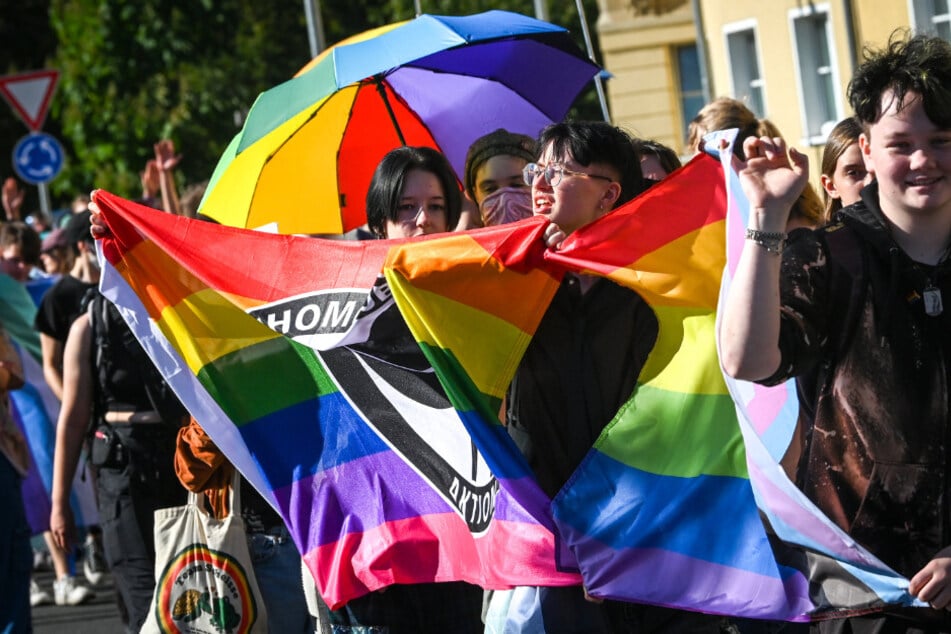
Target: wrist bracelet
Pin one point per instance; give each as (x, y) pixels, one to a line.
(772, 241)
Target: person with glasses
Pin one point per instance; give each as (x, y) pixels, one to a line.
(579, 369)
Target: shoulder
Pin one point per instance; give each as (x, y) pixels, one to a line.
(78, 342)
(80, 327)
(836, 241)
(804, 248)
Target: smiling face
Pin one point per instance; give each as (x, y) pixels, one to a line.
(848, 178)
(577, 200)
(910, 158)
(421, 209)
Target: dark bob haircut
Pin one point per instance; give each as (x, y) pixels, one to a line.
(386, 187)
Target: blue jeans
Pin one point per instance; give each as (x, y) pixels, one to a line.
(16, 555)
(277, 570)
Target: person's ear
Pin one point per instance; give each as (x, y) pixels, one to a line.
(829, 185)
(865, 146)
(611, 195)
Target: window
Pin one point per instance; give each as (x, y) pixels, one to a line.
(743, 58)
(690, 83)
(932, 16)
(820, 101)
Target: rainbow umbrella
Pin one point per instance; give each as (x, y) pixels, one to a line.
(308, 149)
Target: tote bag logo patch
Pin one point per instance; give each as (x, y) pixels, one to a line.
(203, 591)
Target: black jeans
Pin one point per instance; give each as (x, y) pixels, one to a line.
(141, 480)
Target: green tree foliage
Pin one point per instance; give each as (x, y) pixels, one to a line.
(27, 43)
(136, 71)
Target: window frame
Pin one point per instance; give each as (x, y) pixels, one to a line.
(923, 16)
(832, 69)
(734, 28)
(682, 95)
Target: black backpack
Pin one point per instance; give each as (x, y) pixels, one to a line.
(118, 357)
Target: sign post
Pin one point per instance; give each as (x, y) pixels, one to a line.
(37, 157)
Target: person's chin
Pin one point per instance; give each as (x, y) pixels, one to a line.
(933, 194)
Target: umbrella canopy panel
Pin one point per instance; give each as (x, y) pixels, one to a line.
(329, 165)
(310, 146)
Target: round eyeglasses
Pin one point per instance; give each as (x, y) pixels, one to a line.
(553, 172)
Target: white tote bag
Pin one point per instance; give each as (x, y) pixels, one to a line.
(204, 581)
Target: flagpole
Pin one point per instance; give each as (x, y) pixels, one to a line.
(45, 207)
(541, 10)
(598, 84)
(315, 27)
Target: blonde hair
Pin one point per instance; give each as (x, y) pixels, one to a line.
(720, 114)
(808, 209)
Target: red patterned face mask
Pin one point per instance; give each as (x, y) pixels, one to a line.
(505, 205)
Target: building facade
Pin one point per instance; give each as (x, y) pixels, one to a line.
(789, 60)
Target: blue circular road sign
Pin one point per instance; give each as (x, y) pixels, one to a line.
(38, 158)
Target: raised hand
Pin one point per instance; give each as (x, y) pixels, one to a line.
(772, 179)
(165, 156)
(151, 179)
(12, 199)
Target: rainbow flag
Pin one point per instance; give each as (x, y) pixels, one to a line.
(293, 356)
(677, 479)
(366, 410)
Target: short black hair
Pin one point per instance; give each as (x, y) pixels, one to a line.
(597, 142)
(667, 158)
(77, 230)
(386, 187)
(919, 64)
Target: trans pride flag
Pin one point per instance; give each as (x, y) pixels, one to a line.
(35, 409)
(683, 474)
(392, 468)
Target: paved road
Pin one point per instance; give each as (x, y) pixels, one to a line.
(98, 616)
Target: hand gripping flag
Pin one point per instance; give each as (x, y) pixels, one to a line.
(291, 353)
